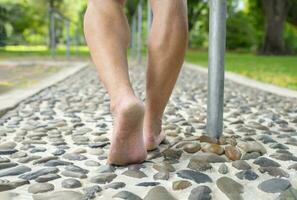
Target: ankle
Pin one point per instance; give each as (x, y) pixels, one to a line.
(123, 102)
(152, 127)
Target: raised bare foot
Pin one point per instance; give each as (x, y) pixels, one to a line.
(153, 134)
(127, 145)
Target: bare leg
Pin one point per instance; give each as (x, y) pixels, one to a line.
(167, 45)
(107, 35)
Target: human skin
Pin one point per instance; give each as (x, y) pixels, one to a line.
(136, 128)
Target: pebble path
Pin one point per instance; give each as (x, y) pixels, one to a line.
(54, 146)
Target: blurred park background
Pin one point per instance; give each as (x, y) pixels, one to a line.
(261, 37)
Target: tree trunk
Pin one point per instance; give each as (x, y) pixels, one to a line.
(275, 16)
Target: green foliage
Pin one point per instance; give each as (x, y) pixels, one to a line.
(240, 32)
(278, 70)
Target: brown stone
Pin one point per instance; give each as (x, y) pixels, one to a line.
(205, 138)
(180, 185)
(232, 153)
(192, 148)
(213, 148)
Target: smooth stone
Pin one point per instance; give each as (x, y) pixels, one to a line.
(198, 165)
(158, 193)
(90, 192)
(208, 157)
(196, 176)
(47, 178)
(278, 146)
(40, 188)
(136, 166)
(105, 168)
(164, 166)
(74, 174)
(19, 154)
(38, 149)
(20, 182)
(289, 194)
(284, 156)
(252, 146)
(274, 185)
(29, 159)
(223, 169)
(213, 148)
(205, 138)
(59, 195)
(7, 165)
(14, 171)
(54, 163)
(96, 151)
(163, 175)
(230, 188)
(200, 193)
(180, 185)
(103, 178)
(266, 162)
(4, 159)
(7, 145)
(134, 173)
(58, 152)
(7, 151)
(71, 183)
(148, 184)
(74, 157)
(266, 139)
(44, 159)
(293, 166)
(40, 172)
(232, 153)
(274, 171)
(192, 147)
(247, 174)
(92, 163)
(6, 186)
(75, 168)
(241, 165)
(252, 155)
(115, 185)
(126, 195)
(172, 154)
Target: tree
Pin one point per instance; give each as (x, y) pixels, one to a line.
(275, 12)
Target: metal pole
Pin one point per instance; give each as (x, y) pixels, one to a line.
(149, 16)
(139, 40)
(67, 23)
(52, 33)
(217, 40)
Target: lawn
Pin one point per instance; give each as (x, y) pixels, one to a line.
(278, 70)
(40, 51)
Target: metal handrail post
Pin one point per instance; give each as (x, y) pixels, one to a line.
(67, 24)
(217, 40)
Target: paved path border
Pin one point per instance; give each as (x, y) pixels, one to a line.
(11, 99)
(249, 82)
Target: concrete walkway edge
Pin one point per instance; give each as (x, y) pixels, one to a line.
(11, 99)
(249, 82)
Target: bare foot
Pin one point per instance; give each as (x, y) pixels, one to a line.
(127, 145)
(153, 134)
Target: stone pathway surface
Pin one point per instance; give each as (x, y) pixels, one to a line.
(54, 146)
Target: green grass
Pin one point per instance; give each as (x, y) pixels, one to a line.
(40, 51)
(278, 70)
